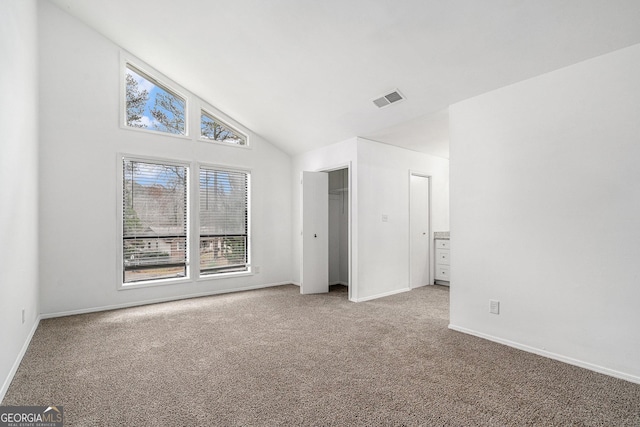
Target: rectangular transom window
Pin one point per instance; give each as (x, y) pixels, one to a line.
(213, 129)
(224, 221)
(154, 220)
(152, 105)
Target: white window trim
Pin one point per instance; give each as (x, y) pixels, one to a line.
(219, 276)
(193, 223)
(193, 106)
(164, 82)
(121, 285)
(196, 227)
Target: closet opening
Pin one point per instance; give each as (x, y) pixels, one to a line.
(339, 231)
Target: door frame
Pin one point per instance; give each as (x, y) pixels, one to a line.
(431, 262)
(352, 288)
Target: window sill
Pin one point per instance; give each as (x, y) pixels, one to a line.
(182, 280)
(224, 275)
(152, 283)
(224, 144)
(156, 132)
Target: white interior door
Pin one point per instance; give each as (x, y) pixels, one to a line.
(419, 230)
(315, 233)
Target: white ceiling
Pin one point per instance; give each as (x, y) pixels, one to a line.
(303, 73)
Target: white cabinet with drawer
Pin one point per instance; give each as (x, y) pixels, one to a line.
(442, 261)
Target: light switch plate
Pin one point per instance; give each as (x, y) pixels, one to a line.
(494, 306)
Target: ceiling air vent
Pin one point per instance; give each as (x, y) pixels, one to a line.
(388, 99)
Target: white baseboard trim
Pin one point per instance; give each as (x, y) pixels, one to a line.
(16, 364)
(158, 300)
(298, 284)
(382, 295)
(550, 355)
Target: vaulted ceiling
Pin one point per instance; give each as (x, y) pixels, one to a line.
(303, 73)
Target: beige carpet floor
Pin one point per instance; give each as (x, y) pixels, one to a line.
(274, 357)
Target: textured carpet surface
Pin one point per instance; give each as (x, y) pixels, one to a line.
(274, 357)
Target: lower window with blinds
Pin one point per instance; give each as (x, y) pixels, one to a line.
(224, 221)
(154, 221)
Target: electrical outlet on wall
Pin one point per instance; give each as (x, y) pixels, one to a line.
(23, 316)
(494, 306)
(256, 269)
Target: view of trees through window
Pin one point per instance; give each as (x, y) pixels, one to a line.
(156, 229)
(154, 221)
(212, 129)
(151, 106)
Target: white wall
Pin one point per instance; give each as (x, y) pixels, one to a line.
(80, 86)
(379, 185)
(545, 209)
(18, 182)
(383, 177)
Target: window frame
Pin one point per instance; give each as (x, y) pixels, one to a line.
(189, 271)
(207, 111)
(196, 229)
(160, 80)
(186, 156)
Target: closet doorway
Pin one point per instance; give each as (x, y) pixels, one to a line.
(339, 254)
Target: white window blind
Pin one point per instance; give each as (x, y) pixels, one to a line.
(154, 239)
(224, 221)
